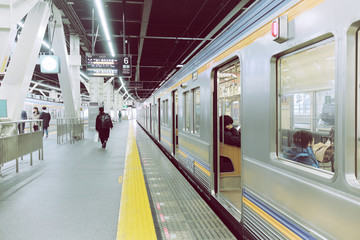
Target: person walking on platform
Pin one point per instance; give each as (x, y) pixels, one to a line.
(46, 117)
(36, 115)
(103, 125)
(120, 116)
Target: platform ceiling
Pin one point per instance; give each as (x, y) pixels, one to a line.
(160, 34)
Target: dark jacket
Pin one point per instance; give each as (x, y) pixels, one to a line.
(302, 155)
(46, 117)
(232, 137)
(98, 123)
(23, 115)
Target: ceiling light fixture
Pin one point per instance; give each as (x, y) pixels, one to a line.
(126, 92)
(100, 8)
(84, 76)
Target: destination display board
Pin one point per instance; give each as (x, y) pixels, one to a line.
(102, 66)
(107, 66)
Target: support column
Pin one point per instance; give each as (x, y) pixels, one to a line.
(109, 97)
(16, 82)
(60, 49)
(75, 63)
(96, 92)
(11, 12)
(96, 85)
(53, 95)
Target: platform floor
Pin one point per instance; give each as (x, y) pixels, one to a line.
(76, 191)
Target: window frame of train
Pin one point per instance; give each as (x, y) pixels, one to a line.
(196, 110)
(165, 117)
(187, 111)
(227, 101)
(357, 162)
(315, 100)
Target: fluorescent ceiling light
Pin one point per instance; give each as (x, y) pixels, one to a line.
(84, 76)
(101, 12)
(100, 8)
(111, 48)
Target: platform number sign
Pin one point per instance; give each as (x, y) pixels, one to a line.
(125, 66)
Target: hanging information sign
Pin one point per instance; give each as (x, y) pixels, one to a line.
(125, 66)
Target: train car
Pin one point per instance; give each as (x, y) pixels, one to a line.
(285, 69)
(56, 109)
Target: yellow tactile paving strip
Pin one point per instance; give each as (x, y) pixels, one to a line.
(135, 219)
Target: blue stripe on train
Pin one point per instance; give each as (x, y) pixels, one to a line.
(279, 217)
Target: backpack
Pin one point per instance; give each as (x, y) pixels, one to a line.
(324, 151)
(105, 121)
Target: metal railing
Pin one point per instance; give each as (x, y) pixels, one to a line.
(69, 128)
(18, 138)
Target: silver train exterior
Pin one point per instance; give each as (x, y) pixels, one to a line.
(56, 109)
(279, 93)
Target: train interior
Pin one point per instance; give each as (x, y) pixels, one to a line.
(229, 154)
(307, 100)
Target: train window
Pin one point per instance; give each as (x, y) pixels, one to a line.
(229, 144)
(165, 111)
(187, 110)
(306, 81)
(357, 163)
(229, 91)
(196, 94)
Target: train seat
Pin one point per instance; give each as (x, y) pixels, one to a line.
(230, 160)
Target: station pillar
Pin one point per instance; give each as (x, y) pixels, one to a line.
(60, 49)
(53, 94)
(109, 97)
(75, 63)
(11, 12)
(16, 82)
(96, 92)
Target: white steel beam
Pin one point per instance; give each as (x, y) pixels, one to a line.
(75, 63)
(86, 84)
(60, 50)
(11, 12)
(33, 87)
(17, 79)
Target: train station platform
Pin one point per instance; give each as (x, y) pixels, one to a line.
(130, 190)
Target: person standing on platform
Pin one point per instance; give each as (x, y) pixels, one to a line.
(21, 126)
(36, 115)
(103, 125)
(45, 116)
(120, 116)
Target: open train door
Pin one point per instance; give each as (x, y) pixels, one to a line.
(159, 119)
(227, 135)
(150, 115)
(174, 107)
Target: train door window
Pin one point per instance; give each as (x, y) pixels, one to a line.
(162, 112)
(229, 156)
(160, 119)
(175, 131)
(155, 115)
(187, 104)
(357, 163)
(306, 87)
(166, 117)
(196, 101)
(164, 122)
